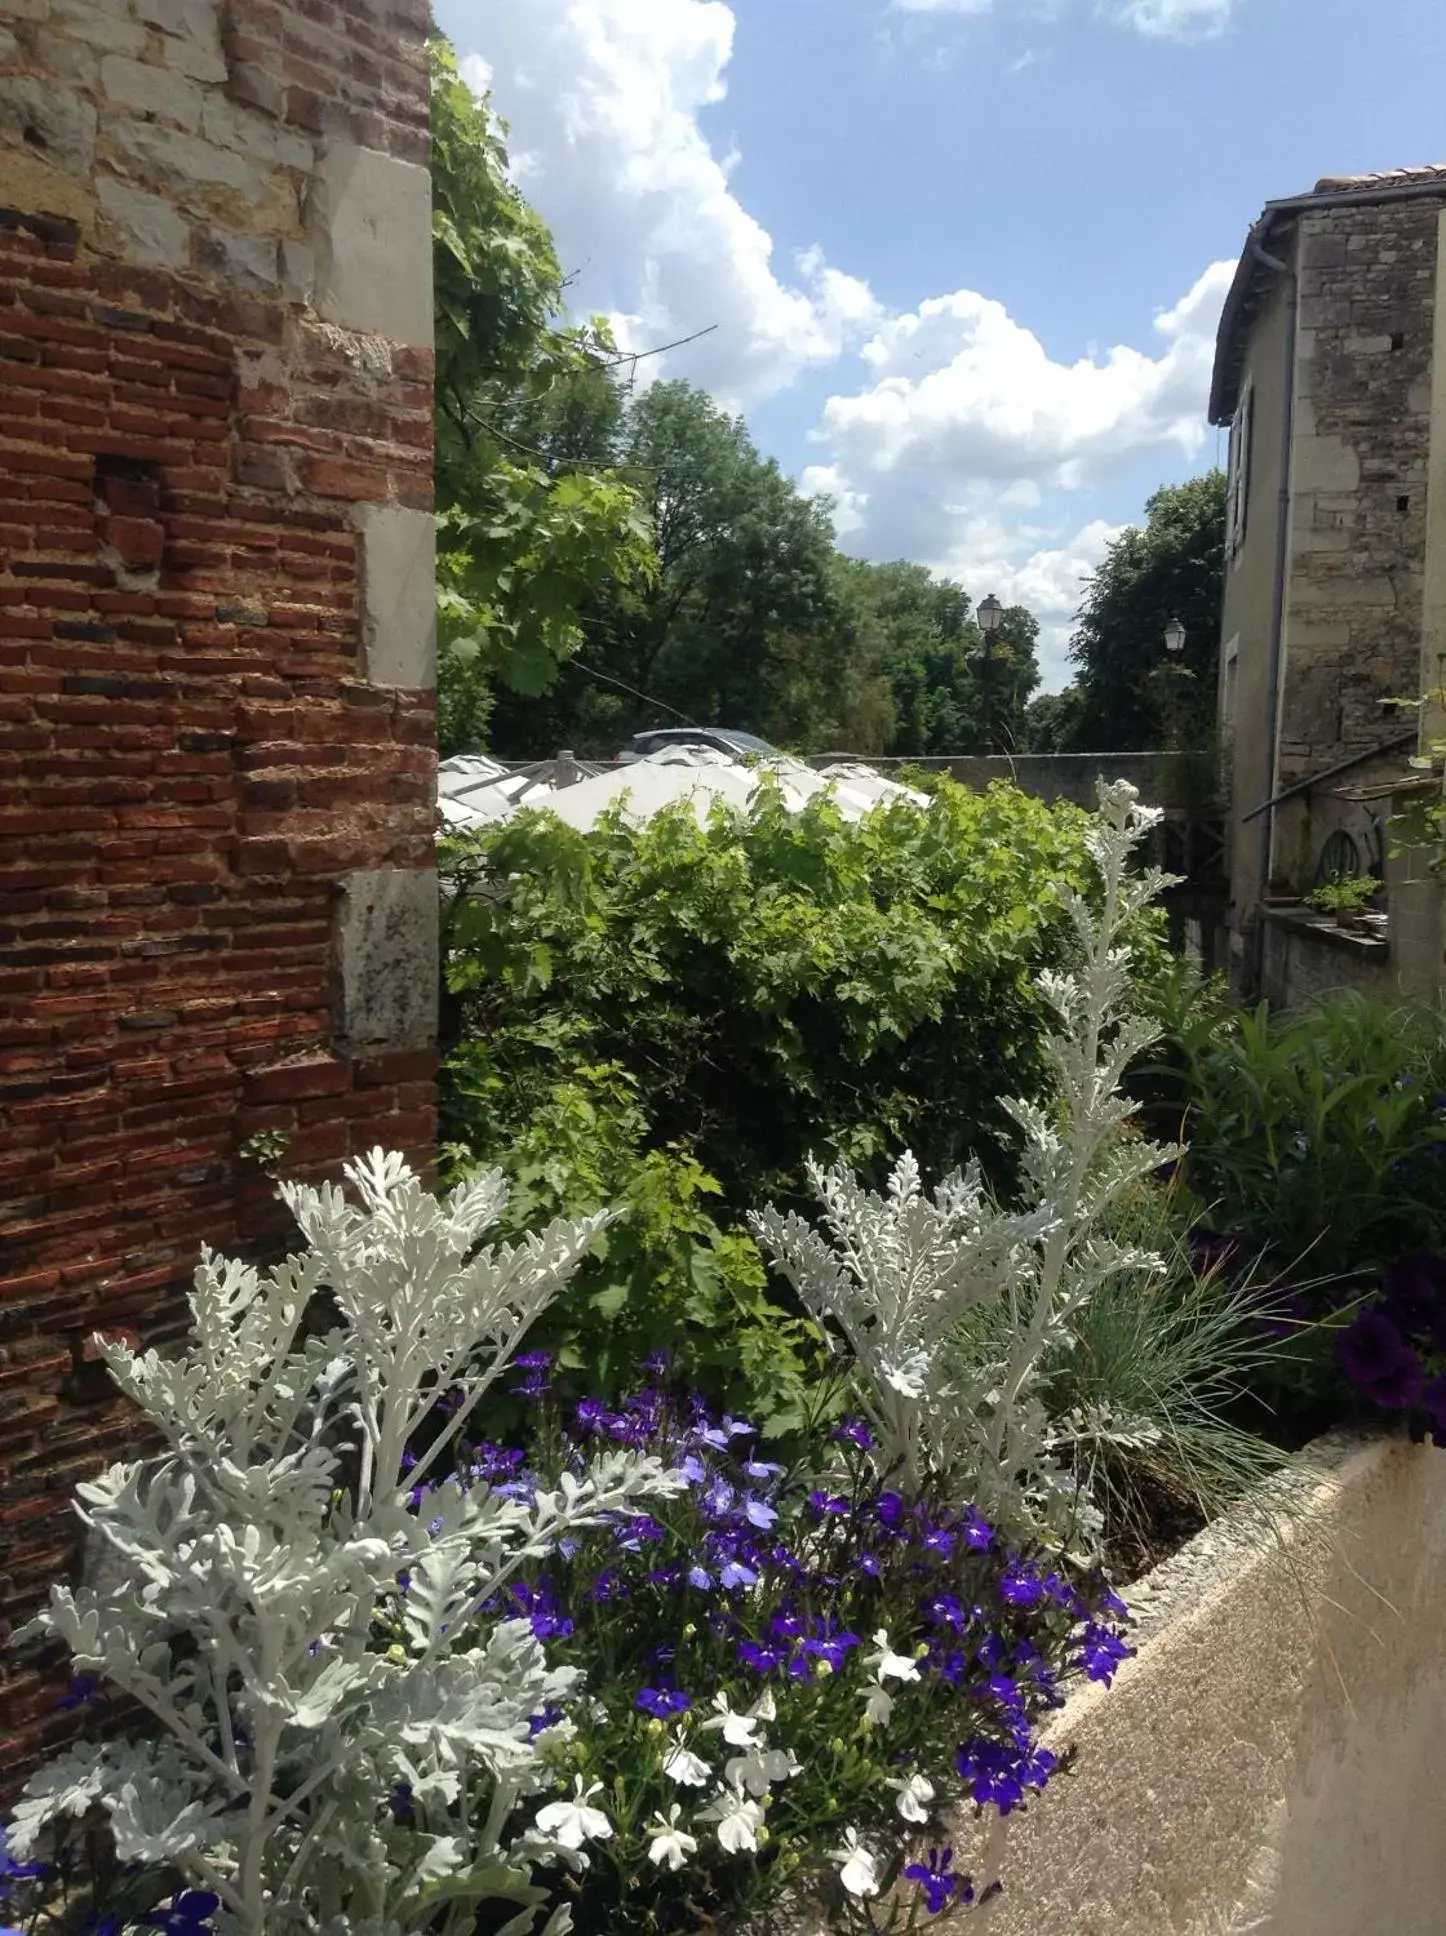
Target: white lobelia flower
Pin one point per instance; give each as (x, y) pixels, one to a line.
(913, 1797)
(686, 1768)
(858, 1866)
(760, 1767)
(738, 1729)
(670, 1844)
(878, 1707)
(572, 1823)
(738, 1819)
(886, 1665)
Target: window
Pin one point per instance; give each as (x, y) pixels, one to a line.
(1238, 490)
(1228, 689)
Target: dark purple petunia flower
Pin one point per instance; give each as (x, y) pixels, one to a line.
(1403, 1388)
(1434, 1400)
(1415, 1293)
(1371, 1349)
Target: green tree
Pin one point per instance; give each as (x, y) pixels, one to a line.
(1051, 721)
(525, 534)
(1132, 693)
(741, 625)
(915, 634)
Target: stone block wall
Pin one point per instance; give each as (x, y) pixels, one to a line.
(217, 710)
(1359, 472)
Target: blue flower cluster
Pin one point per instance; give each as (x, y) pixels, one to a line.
(760, 1578)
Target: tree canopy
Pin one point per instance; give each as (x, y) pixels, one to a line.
(1132, 692)
(613, 557)
(524, 536)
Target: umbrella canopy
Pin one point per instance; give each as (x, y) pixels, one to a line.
(474, 790)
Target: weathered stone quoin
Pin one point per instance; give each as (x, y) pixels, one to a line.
(217, 707)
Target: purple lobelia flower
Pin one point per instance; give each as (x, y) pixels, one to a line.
(661, 1702)
(190, 1913)
(1020, 1588)
(938, 1884)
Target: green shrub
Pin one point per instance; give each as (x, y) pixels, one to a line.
(667, 1274)
(676, 1016)
(1320, 1136)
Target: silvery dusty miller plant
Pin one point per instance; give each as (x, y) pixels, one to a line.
(898, 1273)
(250, 1567)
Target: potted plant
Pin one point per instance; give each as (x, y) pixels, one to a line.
(1346, 896)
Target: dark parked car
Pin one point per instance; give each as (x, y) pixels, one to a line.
(723, 739)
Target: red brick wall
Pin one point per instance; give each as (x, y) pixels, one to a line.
(191, 759)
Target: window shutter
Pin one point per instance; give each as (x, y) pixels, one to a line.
(1239, 490)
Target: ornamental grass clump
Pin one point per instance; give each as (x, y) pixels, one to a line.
(896, 1277)
(791, 1674)
(299, 1620)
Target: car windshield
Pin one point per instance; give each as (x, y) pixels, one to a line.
(748, 742)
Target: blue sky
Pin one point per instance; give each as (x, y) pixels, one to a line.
(965, 257)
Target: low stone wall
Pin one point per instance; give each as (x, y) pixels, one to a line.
(1273, 1759)
(1164, 779)
(1307, 959)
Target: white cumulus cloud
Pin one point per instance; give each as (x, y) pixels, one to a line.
(961, 389)
(1177, 19)
(604, 99)
(970, 446)
(1159, 19)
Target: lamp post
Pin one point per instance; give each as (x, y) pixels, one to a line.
(1174, 646)
(990, 616)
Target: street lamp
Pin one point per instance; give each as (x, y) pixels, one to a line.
(1174, 646)
(990, 615)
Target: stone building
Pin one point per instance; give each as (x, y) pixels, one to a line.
(217, 709)
(1330, 372)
